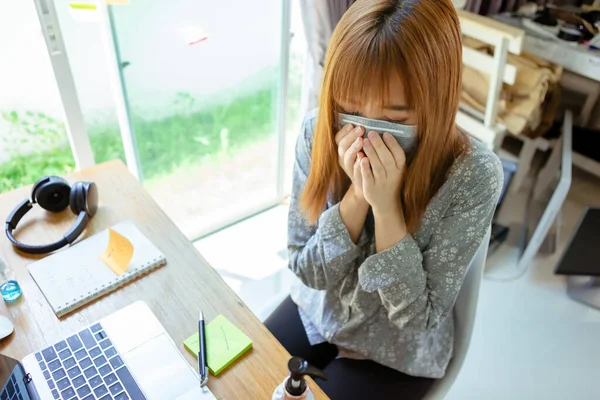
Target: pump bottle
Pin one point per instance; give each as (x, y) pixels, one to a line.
(294, 387)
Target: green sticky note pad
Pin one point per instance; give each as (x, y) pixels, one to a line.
(225, 343)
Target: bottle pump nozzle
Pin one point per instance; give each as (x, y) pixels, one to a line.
(299, 368)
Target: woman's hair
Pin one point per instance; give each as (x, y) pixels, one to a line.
(420, 41)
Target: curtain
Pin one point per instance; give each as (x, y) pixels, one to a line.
(319, 18)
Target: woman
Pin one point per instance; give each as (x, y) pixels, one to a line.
(380, 236)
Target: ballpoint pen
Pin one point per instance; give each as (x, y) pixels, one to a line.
(202, 370)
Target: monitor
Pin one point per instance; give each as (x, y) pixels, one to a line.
(582, 256)
(12, 379)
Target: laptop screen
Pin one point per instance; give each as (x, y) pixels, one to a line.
(12, 380)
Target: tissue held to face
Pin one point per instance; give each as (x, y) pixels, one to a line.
(394, 116)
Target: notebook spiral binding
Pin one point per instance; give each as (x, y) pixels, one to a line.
(112, 286)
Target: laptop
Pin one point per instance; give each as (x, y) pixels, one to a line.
(126, 356)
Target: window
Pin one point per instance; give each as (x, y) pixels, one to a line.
(202, 82)
(33, 138)
(203, 85)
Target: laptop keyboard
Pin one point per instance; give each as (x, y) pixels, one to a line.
(11, 390)
(86, 366)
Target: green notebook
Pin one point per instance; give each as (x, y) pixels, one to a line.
(225, 343)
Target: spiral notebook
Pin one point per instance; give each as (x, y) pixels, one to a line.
(74, 277)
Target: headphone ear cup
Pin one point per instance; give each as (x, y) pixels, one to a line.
(52, 193)
(81, 194)
(75, 200)
(85, 198)
(37, 185)
(90, 199)
(43, 180)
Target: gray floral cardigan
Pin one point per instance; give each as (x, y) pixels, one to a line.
(393, 307)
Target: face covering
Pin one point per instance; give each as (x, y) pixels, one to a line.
(406, 135)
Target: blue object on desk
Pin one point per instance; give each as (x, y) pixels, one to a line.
(11, 290)
(9, 287)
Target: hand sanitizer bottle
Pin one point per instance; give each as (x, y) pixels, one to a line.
(294, 386)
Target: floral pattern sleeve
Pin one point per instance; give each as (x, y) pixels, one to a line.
(320, 255)
(417, 287)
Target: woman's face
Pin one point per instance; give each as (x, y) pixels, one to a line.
(395, 110)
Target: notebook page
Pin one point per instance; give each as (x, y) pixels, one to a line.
(77, 273)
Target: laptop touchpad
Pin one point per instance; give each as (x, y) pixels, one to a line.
(160, 370)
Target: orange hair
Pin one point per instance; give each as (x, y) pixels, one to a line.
(419, 40)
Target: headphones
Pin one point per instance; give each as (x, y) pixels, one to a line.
(54, 194)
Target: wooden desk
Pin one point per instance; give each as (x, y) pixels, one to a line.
(174, 293)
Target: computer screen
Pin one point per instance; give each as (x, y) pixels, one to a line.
(583, 252)
(12, 381)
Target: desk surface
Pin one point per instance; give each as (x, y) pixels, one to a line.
(569, 55)
(174, 293)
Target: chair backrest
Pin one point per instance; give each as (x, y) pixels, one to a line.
(464, 320)
(505, 39)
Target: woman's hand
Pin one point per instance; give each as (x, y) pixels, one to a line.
(382, 171)
(350, 143)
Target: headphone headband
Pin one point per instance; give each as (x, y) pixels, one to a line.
(49, 193)
(15, 216)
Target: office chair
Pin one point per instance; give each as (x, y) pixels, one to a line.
(464, 320)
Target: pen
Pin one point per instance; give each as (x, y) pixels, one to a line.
(202, 351)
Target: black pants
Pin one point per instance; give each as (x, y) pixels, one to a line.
(348, 379)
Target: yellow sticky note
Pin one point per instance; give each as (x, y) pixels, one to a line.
(86, 12)
(225, 343)
(83, 6)
(118, 253)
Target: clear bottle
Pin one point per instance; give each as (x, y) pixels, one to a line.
(9, 287)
